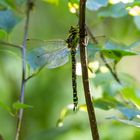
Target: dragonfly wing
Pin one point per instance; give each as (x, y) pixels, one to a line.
(32, 57)
(39, 57)
(49, 46)
(57, 59)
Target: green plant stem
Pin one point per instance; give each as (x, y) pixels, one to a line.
(21, 98)
(10, 44)
(82, 44)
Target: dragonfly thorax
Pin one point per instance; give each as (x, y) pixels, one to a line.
(72, 39)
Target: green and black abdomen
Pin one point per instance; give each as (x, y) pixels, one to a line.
(74, 83)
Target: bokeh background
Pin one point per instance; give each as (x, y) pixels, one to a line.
(50, 91)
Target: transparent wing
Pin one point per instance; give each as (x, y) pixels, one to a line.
(51, 45)
(51, 54)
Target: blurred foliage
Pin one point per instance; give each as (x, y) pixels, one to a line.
(49, 94)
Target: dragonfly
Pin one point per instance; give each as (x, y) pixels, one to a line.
(55, 53)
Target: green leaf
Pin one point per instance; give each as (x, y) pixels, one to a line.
(101, 79)
(125, 121)
(8, 20)
(115, 11)
(74, 1)
(116, 51)
(17, 105)
(96, 4)
(134, 3)
(6, 107)
(3, 35)
(54, 2)
(8, 4)
(64, 113)
(132, 94)
(104, 104)
(110, 87)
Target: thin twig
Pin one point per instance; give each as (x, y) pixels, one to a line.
(21, 98)
(34, 74)
(91, 35)
(82, 44)
(31, 76)
(10, 44)
(114, 73)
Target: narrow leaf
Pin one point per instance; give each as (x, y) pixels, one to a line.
(64, 113)
(129, 122)
(116, 51)
(17, 105)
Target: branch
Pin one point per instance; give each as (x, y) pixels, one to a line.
(34, 74)
(82, 44)
(114, 74)
(10, 44)
(22, 94)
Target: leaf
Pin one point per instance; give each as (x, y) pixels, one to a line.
(54, 2)
(74, 1)
(137, 21)
(8, 4)
(110, 87)
(115, 11)
(136, 2)
(116, 51)
(130, 113)
(8, 20)
(17, 105)
(64, 113)
(3, 35)
(132, 94)
(6, 107)
(96, 4)
(102, 78)
(104, 104)
(125, 121)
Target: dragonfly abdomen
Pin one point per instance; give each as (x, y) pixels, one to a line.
(74, 83)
